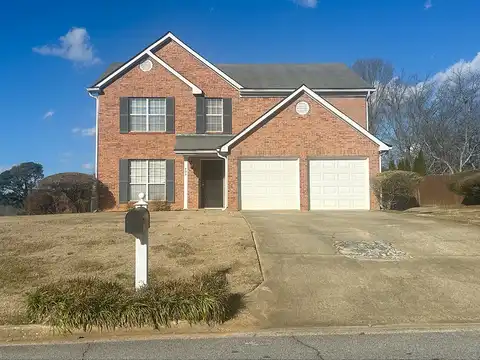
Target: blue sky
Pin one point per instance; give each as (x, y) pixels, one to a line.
(49, 118)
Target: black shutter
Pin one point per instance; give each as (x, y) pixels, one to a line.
(200, 115)
(124, 113)
(170, 167)
(170, 128)
(227, 116)
(123, 180)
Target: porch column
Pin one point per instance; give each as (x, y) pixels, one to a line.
(225, 186)
(185, 182)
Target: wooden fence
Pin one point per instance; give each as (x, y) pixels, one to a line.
(433, 191)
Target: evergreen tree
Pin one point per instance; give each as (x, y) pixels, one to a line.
(391, 165)
(419, 165)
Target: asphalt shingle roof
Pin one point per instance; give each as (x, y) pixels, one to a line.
(200, 141)
(284, 76)
(110, 69)
(292, 76)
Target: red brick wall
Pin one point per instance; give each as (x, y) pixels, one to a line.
(113, 146)
(319, 133)
(353, 107)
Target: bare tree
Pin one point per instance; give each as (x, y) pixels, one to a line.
(377, 73)
(451, 131)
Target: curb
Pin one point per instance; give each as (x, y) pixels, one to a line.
(314, 331)
(259, 258)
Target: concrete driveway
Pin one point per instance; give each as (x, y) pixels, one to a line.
(308, 283)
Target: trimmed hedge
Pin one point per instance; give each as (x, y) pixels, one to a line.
(84, 303)
(394, 189)
(467, 184)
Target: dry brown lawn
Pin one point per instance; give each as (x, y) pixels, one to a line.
(38, 249)
(464, 214)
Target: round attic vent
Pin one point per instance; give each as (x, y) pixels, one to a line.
(146, 65)
(302, 108)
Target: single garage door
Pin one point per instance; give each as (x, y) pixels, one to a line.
(339, 184)
(269, 184)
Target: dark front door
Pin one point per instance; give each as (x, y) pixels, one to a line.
(212, 184)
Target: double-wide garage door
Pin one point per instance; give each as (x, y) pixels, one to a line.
(274, 184)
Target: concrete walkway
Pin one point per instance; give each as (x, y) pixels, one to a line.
(307, 283)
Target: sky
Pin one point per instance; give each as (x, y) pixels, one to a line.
(52, 51)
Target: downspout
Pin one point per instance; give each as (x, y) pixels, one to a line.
(96, 131)
(225, 180)
(366, 107)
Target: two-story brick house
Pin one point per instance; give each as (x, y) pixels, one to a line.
(199, 135)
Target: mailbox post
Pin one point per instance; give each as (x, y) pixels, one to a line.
(137, 222)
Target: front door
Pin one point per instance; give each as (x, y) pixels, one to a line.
(212, 184)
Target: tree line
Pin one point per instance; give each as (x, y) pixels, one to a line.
(24, 187)
(436, 118)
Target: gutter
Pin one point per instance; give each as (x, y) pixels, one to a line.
(369, 93)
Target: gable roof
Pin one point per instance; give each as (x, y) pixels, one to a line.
(282, 104)
(292, 76)
(110, 69)
(115, 71)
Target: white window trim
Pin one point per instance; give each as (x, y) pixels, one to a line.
(147, 114)
(148, 180)
(206, 114)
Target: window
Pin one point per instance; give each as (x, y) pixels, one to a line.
(148, 114)
(149, 177)
(214, 115)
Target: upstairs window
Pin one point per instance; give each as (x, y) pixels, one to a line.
(213, 115)
(147, 114)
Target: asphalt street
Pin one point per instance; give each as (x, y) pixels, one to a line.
(423, 345)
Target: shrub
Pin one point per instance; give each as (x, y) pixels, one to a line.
(158, 206)
(466, 184)
(395, 189)
(153, 205)
(84, 303)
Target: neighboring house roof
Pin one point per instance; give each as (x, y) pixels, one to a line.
(285, 102)
(292, 76)
(185, 143)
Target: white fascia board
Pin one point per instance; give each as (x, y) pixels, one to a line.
(195, 89)
(205, 61)
(315, 90)
(319, 99)
(168, 36)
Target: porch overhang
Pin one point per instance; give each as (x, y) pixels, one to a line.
(200, 144)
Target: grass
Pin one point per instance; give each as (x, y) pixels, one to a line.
(38, 250)
(459, 213)
(85, 303)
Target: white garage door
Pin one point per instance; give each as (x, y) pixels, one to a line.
(339, 184)
(269, 184)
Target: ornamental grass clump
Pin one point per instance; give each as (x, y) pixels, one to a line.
(86, 303)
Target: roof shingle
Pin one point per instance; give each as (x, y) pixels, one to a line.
(283, 76)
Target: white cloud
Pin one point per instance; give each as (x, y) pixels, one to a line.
(307, 3)
(48, 114)
(84, 132)
(87, 166)
(473, 65)
(74, 45)
(427, 5)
